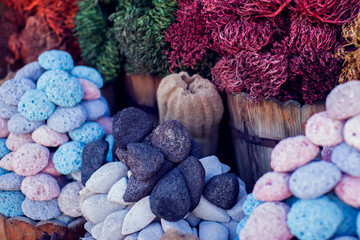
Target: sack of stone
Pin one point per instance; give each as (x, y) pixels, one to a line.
(48, 113)
(159, 183)
(306, 196)
(195, 102)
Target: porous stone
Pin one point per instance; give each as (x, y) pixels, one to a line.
(87, 132)
(69, 199)
(56, 59)
(90, 90)
(343, 101)
(106, 176)
(50, 168)
(268, 221)
(139, 216)
(30, 159)
(6, 161)
(4, 130)
(15, 141)
(151, 232)
(351, 130)
(194, 175)
(143, 160)
(241, 225)
(208, 211)
(10, 203)
(348, 190)
(180, 225)
(3, 171)
(314, 179)
(96, 109)
(314, 219)
(88, 73)
(195, 149)
(137, 189)
(31, 70)
(64, 91)
(347, 159)
(322, 130)
(251, 204)
(67, 119)
(10, 181)
(40, 210)
(48, 137)
(293, 152)
(222, 190)
(12, 90)
(212, 167)
(6, 111)
(68, 157)
(106, 122)
(113, 223)
(131, 125)
(20, 125)
(272, 187)
(213, 231)
(170, 198)
(93, 157)
(76, 176)
(117, 192)
(40, 187)
(110, 156)
(3, 148)
(45, 78)
(96, 208)
(173, 139)
(34, 105)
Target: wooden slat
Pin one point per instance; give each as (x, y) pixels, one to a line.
(76, 229)
(51, 226)
(292, 118)
(308, 110)
(20, 228)
(3, 235)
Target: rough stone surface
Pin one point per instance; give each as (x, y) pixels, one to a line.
(93, 157)
(30, 159)
(50, 168)
(131, 125)
(90, 90)
(180, 225)
(170, 198)
(207, 211)
(12, 90)
(45, 78)
(139, 216)
(34, 105)
(87, 132)
(143, 160)
(106, 122)
(56, 59)
(64, 120)
(117, 191)
(96, 109)
(237, 212)
(6, 111)
(6, 161)
(195, 149)
(213, 231)
(212, 167)
(10, 182)
(314, 219)
(48, 137)
(348, 190)
(88, 73)
(20, 125)
(40, 210)
(31, 70)
(222, 190)
(351, 130)
(106, 176)
(314, 179)
(113, 223)
(347, 159)
(15, 141)
(96, 208)
(151, 232)
(68, 157)
(110, 155)
(272, 187)
(69, 199)
(268, 221)
(173, 139)
(4, 130)
(251, 204)
(194, 175)
(40, 187)
(10, 203)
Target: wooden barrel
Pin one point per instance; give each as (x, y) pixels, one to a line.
(141, 90)
(23, 228)
(257, 127)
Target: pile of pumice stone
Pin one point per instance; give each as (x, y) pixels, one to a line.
(48, 113)
(159, 182)
(307, 196)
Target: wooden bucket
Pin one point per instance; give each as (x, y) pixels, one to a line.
(23, 228)
(257, 127)
(141, 90)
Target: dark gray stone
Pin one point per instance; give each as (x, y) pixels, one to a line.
(93, 157)
(195, 149)
(137, 189)
(121, 155)
(222, 190)
(131, 125)
(170, 198)
(173, 139)
(144, 160)
(194, 174)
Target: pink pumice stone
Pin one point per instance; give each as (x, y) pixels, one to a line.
(4, 131)
(352, 132)
(48, 137)
(16, 141)
(6, 161)
(50, 168)
(40, 187)
(292, 153)
(91, 91)
(348, 190)
(106, 122)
